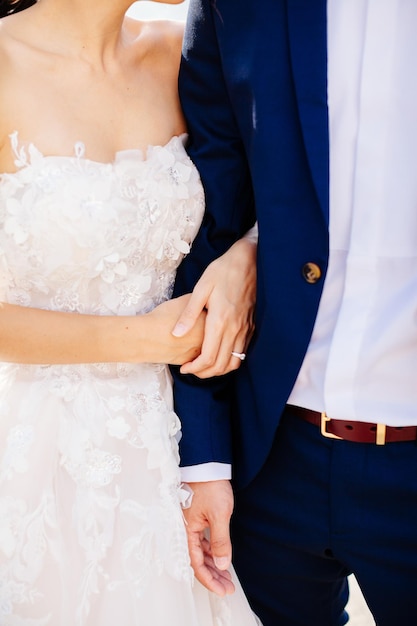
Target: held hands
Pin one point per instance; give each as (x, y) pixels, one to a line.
(164, 347)
(227, 290)
(211, 508)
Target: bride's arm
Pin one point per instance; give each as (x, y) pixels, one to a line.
(29, 335)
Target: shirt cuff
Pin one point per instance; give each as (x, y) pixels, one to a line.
(205, 472)
(252, 234)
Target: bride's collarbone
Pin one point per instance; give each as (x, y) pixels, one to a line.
(104, 126)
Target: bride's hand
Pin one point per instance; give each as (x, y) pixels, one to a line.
(163, 347)
(227, 291)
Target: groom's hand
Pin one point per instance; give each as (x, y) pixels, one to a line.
(211, 554)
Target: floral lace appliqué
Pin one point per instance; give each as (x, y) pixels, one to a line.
(90, 490)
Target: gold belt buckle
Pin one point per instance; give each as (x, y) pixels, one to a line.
(380, 430)
(323, 422)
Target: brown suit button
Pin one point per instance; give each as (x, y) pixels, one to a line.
(311, 272)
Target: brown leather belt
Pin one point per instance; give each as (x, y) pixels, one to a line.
(361, 432)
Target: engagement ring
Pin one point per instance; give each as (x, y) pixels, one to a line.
(239, 355)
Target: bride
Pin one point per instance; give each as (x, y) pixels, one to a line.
(99, 202)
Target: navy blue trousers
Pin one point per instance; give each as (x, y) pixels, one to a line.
(319, 510)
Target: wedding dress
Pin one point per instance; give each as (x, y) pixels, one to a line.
(91, 526)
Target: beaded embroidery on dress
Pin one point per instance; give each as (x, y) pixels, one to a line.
(91, 528)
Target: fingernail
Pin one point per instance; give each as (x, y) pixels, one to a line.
(221, 562)
(179, 330)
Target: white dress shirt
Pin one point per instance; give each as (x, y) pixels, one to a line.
(361, 363)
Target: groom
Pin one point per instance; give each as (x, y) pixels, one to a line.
(304, 110)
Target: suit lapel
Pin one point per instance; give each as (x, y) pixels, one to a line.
(308, 45)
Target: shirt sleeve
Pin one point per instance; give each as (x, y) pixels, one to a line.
(206, 472)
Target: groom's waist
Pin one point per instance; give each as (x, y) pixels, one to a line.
(352, 430)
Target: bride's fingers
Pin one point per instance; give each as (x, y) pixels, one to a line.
(196, 304)
(213, 334)
(216, 357)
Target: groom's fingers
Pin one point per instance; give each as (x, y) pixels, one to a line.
(211, 509)
(204, 569)
(221, 547)
(223, 578)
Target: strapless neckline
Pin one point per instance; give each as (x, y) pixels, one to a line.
(28, 154)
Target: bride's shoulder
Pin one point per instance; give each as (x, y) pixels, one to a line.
(10, 26)
(12, 45)
(158, 36)
(17, 64)
(4, 34)
(7, 73)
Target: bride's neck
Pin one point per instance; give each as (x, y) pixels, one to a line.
(91, 29)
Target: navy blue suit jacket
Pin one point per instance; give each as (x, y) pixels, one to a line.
(253, 86)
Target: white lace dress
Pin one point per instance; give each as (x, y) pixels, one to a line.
(91, 527)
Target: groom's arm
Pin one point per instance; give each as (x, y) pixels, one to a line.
(216, 148)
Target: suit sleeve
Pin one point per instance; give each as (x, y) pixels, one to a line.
(216, 148)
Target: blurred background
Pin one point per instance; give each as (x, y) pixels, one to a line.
(158, 10)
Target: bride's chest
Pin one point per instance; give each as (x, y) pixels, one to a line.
(64, 207)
